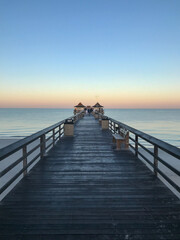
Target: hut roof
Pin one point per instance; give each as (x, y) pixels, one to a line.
(97, 105)
(79, 105)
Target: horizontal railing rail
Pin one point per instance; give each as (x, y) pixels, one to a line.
(114, 127)
(42, 143)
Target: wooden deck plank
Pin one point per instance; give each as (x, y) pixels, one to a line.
(84, 189)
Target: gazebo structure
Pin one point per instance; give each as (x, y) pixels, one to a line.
(98, 108)
(78, 108)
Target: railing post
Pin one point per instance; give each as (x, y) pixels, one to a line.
(117, 128)
(155, 160)
(113, 127)
(110, 123)
(53, 137)
(59, 132)
(136, 145)
(43, 145)
(25, 159)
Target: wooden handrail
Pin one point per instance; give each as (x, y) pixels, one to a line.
(157, 144)
(172, 150)
(14, 147)
(57, 132)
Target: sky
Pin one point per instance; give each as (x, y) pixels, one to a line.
(121, 53)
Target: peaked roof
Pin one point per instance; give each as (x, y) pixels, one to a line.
(79, 105)
(97, 105)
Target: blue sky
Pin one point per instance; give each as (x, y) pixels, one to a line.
(97, 46)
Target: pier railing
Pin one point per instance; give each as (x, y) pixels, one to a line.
(29, 151)
(139, 142)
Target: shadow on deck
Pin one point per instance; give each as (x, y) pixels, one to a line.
(84, 189)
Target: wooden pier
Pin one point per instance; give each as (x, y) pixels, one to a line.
(85, 189)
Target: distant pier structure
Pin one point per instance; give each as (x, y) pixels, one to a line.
(78, 108)
(96, 108)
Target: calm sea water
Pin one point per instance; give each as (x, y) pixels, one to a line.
(161, 123)
(21, 122)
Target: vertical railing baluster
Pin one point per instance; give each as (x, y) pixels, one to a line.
(155, 160)
(63, 130)
(118, 129)
(24, 159)
(114, 127)
(59, 132)
(136, 145)
(53, 137)
(43, 145)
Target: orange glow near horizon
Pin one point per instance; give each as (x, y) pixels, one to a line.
(114, 54)
(108, 99)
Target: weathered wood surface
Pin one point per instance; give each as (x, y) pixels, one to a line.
(84, 189)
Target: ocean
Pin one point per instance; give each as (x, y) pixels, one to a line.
(160, 123)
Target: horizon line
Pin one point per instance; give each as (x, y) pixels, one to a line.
(73, 107)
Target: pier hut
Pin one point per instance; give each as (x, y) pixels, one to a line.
(98, 108)
(78, 108)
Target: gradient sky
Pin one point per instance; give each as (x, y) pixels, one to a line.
(122, 53)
